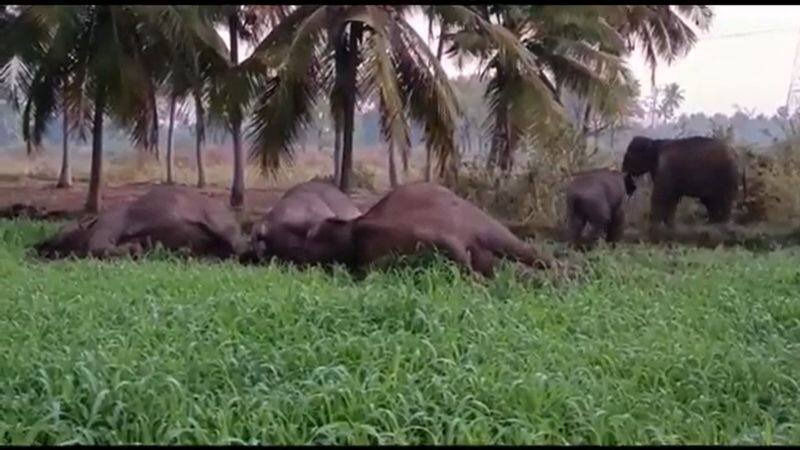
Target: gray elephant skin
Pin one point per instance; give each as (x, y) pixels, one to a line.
(597, 198)
(282, 231)
(698, 167)
(420, 217)
(178, 218)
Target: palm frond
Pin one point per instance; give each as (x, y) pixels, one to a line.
(16, 78)
(267, 54)
(427, 93)
(394, 125)
(286, 107)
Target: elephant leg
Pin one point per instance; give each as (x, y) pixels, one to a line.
(663, 206)
(504, 244)
(453, 249)
(599, 215)
(133, 249)
(575, 226)
(482, 261)
(596, 229)
(617, 226)
(719, 210)
(719, 213)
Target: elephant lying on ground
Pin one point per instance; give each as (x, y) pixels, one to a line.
(597, 197)
(283, 230)
(415, 217)
(176, 217)
(699, 167)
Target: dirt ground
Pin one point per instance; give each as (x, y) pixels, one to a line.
(64, 204)
(70, 202)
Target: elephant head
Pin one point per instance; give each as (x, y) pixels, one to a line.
(641, 156)
(332, 241)
(255, 251)
(70, 239)
(268, 240)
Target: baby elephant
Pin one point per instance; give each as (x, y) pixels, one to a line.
(597, 197)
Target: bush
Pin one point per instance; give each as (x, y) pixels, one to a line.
(362, 177)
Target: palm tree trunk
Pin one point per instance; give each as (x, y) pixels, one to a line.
(468, 132)
(350, 105)
(337, 154)
(509, 145)
(200, 135)
(65, 178)
(154, 124)
(154, 136)
(237, 190)
(428, 158)
(392, 168)
(499, 142)
(612, 130)
(170, 128)
(508, 142)
(95, 177)
(427, 163)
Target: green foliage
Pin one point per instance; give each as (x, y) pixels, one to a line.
(656, 346)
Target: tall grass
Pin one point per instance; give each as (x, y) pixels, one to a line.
(655, 346)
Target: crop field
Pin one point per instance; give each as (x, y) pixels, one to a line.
(654, 345)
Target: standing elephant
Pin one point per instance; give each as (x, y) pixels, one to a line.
(597, 197)
(699, 167)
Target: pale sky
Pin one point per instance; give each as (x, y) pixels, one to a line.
(746, 58)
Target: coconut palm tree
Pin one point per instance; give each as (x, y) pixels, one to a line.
(30, 68)
(352, 52)
(672, 99)
(111, 58)
(569, 48)
(192, 64)
(663, 32)
(231, 91)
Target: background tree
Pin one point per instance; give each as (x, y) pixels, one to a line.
(672, 98)
(112, 55)
(564, 50)
(661, 32)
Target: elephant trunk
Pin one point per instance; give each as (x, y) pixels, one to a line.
(744, 183)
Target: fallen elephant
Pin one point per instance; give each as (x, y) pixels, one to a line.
(283, 230)
(417, 217)
(178, 218)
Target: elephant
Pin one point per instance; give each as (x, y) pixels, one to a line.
(416, 217)
(597, 197)
(178, 218)
(282, 231)
(699, 167)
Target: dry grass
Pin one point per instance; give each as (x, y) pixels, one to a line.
(370, 168)
(530, 199)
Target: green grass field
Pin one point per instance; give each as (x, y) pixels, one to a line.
(654, 346)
